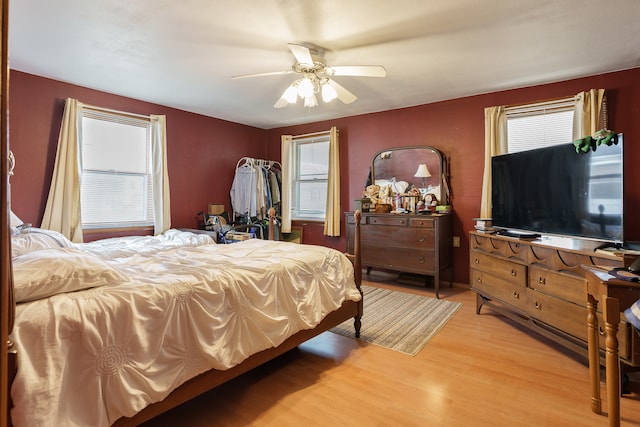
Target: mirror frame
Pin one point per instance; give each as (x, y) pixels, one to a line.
(440, 160)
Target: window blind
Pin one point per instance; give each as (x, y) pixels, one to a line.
(540, 125)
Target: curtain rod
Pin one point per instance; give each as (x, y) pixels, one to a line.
(309, 135)
(546, 101)
(122, 113)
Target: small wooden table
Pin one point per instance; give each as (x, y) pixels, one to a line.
(615, 295)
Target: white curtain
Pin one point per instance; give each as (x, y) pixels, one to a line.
(161, 198)
(332, 215)
(287, 173)
(62, 212)
(589, 115)
(495, 143)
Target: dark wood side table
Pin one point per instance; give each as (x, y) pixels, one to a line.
(614, 295)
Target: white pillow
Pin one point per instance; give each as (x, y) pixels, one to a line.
(47, 272)
(35, 239)
(396, 186)
(14, 221)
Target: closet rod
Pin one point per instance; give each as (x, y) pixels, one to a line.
(252, 159)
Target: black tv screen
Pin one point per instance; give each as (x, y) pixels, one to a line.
(556, 191)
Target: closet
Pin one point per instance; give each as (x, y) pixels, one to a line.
(256, 188)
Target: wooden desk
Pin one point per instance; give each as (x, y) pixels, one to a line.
(615, 295)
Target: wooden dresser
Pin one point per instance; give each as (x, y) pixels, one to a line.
(540, 285)
(419, 244)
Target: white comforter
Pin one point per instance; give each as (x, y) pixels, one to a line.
(89, 357)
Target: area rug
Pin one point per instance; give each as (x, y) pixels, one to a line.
(399, 321)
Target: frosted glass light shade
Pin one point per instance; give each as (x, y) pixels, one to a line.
(305, 88)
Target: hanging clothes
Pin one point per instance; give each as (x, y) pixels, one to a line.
(256, 188)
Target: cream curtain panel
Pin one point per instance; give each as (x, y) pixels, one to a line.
(62, 212)
(161, 197)
(332, 216)
(590, 114)
(495, 143)
(287, 173)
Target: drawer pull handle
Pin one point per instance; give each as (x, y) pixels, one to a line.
(538, 306)
(421, 260)
(421, 238)
(513, 273)
(601, 330)
(542, 280)
(479, 280)
(516, 295)
(476, 260)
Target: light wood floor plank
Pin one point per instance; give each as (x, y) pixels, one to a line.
(479, 370)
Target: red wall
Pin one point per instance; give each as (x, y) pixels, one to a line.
(456, 127)
(203, 151)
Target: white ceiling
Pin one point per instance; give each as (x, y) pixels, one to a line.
(182, 53)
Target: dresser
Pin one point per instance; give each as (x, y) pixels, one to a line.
(418, 244)
(541, 284)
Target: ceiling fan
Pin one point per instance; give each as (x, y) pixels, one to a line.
(316, 77)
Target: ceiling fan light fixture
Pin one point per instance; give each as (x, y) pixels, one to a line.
(311, 101)
(291, 94)
(305, 88)
(328, 93)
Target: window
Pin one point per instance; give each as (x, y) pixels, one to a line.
(310, 177)
(116, 183)
(540, 125)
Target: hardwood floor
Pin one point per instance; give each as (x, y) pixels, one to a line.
(479, 370)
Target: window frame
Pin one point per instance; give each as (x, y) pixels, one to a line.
(296, 144)
(127, 119)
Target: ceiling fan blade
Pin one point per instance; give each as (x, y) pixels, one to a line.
(343, 94)
(302, 54)
(281, 103)
(273, 73)
(359, 70)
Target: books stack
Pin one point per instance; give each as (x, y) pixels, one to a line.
(484, 225)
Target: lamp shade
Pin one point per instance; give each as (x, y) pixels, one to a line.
(422, 171)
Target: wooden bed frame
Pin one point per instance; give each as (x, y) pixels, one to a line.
(213, 378)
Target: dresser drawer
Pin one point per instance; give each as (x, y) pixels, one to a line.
(499, 289)
(566, 316)
(572, 319)
(562, 285)
(401, 259)
(396, 220)
(400, 237)
(502, 268)
(420, 222)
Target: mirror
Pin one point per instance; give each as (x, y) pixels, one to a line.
(421, 166)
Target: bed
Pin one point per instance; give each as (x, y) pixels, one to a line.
(115, 332)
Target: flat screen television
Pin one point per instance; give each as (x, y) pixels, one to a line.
(556, 191)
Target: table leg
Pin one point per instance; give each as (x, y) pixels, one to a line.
(594, 353)
(611, 320)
